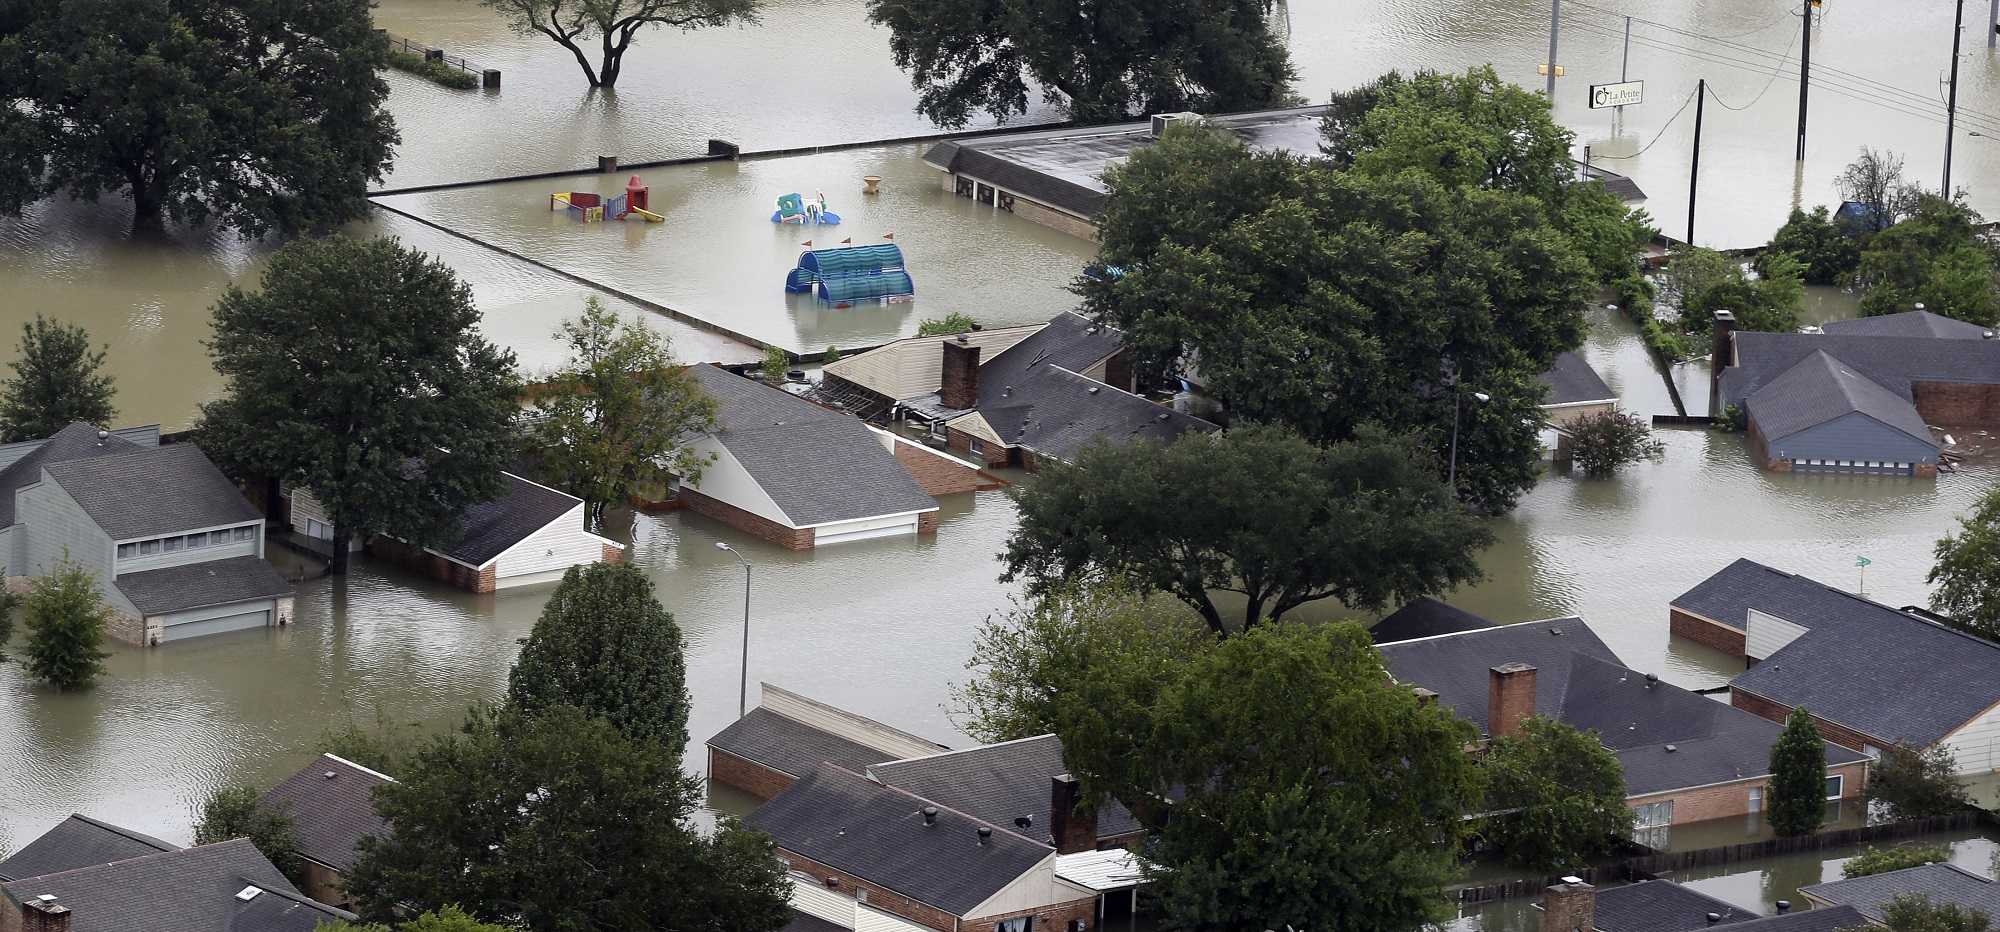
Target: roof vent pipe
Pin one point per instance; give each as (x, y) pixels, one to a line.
(985, 835)
(1714, 918)
(1650, 680)
(930, 815)
(1784, 906)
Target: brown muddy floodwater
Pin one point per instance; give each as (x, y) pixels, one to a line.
(882, 627)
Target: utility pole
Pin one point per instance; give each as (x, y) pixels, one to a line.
(1992, 23)
(1805, 73)
(1694, 170)
(1555, 26)
(1625, 67)
(1951, 107)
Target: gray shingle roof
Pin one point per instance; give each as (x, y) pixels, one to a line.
(1907, 324)
(1820, 389)
(1943, 883)
(331, 803)
(1424, 617)
(1457, 666)
(489, 528)
(189, 890)
(846, 821)
(1891, 362)
(152, 491)
(1824, 919)
(75, 442)
(789, 746)
(819, 466)
(1571, 380)
(1069, 340)
(196, 585)
(999, 783)
(1054, 412)
(78, 841)
(1661, 906)
(1876, 670)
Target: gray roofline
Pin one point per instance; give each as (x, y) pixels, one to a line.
(189, 608)
(1513, 624)
(947, 752)
(1751, 692)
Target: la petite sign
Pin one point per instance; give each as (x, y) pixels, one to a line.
(1622, 94)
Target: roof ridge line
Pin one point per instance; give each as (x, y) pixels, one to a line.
(367, 770)
(1511, 624)
(977, 747)
(941, 807)
(124, 832)
(141, 857)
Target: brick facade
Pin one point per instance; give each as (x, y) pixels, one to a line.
(1776, 711)
(1054, 917)
(1510, 698)
(613, 554)
(1760, 451)
(959, 374)
(746, 775)
(1957, 405)
(1733, 799)
(1569, 907)
(436, 567)
(754, 525)
(927, 522)
(322, 883)
(1705, 632)
(130, 629)
(1054, 219)
(990, 453)
(936, 474)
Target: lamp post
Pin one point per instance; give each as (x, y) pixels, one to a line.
(743, 684)
(1458, 395)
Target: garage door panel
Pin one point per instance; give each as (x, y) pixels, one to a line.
(222, 625)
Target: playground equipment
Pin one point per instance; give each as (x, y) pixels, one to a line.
(847, 276)
(588, 207)
(794, 209)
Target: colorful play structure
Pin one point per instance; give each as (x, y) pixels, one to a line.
(850, 275)
(589, 207)
(795, 209)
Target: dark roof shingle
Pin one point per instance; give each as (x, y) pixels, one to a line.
(818, 466)
(790, 746)
(1424, 617)
(1571, 380)
(78, 841)
(75, 442)
(1820, 389)
(1943, 883)
(489, 528)
(152, 491)
(848, 822)
(999, 783)
(187, 890)
(1661, 906)
(331, 803)
(1908, 324)
(1891, 362)
(1457, 667)
(1056, 413)
(196, 585)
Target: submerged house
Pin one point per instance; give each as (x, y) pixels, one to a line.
(1942, 884)
(1686, 758)
(1870, 675)
(1010, 397)
(1857, 398)
(175, 548)
(331, 803)
(1575, 390)
(1666, 906)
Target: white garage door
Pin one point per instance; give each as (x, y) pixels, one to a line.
(875, 920)
(206, 626)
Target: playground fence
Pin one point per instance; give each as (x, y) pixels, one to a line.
(488, 77)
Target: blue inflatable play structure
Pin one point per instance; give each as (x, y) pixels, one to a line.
(795, 209)
(848, 276)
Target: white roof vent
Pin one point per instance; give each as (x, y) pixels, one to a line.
(247, 894)
(1092, 390)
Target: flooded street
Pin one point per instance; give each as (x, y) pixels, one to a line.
(883, 627)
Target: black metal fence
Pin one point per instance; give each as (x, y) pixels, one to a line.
(488, 77)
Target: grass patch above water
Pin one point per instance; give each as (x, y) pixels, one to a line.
(436, 71)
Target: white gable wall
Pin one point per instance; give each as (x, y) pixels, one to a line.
(816, 900)
(1035, 888)
(1976, 745)
(1766, 634)
(725, 479)
(546, 554)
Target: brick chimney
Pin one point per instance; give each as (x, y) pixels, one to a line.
(1510, 698)
(43, 914)
(1570, 906)
(1722, 353)
(1073, 831)
(960, 388)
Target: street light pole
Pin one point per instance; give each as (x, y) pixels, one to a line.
(1458, 396)
(743, 684)
(1951, 109)
(1555, 27)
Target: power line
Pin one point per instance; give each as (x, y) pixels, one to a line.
(1760, 94)
(1662, 132)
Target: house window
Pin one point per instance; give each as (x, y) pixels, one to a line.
(197, 540)
(860, 895)
(173, 544)
(1654, 815)
(1756, 799)
(149, 546)
(976, 448)
(1016, 924)
(126, 550)
(244, 533)
(1834, 784)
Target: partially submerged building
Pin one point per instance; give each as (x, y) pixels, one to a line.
(1942, 884)
(1666, 906)
(1575, 391)
(331, 803)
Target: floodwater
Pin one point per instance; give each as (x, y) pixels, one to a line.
(883, 627)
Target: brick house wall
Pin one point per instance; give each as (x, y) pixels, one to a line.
(1733, 799)
(746, 775)
(1705, 632)
(1956, 404)
(755, 525)
(322, 883)
(429, 564)
(125, 627)
(1776, 711)
(1055, 918)
(613, 554)
(992, 454)
(927, 522)
(935, 474)
(1760, 451)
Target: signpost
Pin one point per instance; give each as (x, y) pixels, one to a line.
(1621, 94)
(1861, 564)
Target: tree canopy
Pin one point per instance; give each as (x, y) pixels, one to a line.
(1320, 299)
(1935, 258)
(954, 322)
(259, 114)
(1558, 795)
(1883, 860)
(1967, 570)
(66, 618)
(358, 372)
(1256, 511)
(1874, 180)
(1698, 282)
(1099, 60)
(1605, 442)
(235, 812)
(1914, 912)
(604, 645)
(57, 380)
(613, 24)
(1796, 802)
(1826, 252)
(620, 412)
(1917, 784)
(448, 919)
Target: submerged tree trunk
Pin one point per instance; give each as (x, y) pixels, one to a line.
(337, 563)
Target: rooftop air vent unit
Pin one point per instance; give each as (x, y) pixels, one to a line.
(247, 894)
(1092, 390)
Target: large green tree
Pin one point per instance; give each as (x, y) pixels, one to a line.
(58, 380)
(448, 919)
(1882, 860)
(1936, 258)
(1698, 282)
(613, 25)
(620, 413)
(1099, 60)
(66, 619)
(235, 812)
(1918, 784)
(558, 822)
(1796, 801)
(1321, 299)
(1558, 796)
(1914, 912)
(1827, 252)
(1967, 570)
(259, 114)
(1258, 512)
(604, 645)
(358, 372)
